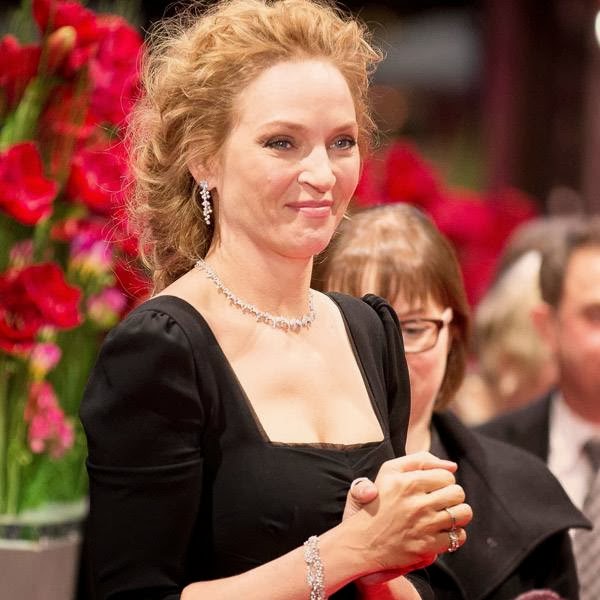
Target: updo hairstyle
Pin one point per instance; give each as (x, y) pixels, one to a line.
(194, 69)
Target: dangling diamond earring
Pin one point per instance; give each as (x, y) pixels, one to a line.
(206, 206)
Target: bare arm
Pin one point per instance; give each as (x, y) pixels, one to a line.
(285, 577)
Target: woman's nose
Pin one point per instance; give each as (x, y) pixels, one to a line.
(317, 171)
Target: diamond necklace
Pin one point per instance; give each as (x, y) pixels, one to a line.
(276, 321)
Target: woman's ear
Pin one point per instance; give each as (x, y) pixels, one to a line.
(201, 171)
(197, 170)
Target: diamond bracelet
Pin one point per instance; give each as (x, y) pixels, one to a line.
(315, 575)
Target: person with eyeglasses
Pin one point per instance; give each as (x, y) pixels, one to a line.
(518, 539)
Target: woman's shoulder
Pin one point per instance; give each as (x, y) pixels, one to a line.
(160, 317)
(368, 310)
(169, 307)
(161, 337)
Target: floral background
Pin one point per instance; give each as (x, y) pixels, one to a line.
(68, 263)
(69, 269)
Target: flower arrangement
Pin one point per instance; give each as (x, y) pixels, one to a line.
(68, 264)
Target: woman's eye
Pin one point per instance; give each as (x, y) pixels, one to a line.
(413, 330)
(279, 144)
(344, 143)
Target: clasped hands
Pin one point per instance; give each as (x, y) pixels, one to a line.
(413, 511)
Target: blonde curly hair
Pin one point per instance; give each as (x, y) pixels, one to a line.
(194, 69)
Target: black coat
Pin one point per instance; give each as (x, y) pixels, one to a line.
(527, 427)
(518, 539)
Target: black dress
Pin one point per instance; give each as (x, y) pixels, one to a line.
(184, 483)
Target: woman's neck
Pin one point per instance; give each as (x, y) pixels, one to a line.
(272, 283)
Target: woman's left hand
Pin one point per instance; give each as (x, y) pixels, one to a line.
(361, 492)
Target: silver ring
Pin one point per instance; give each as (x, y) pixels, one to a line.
(454, 543)
(358, 480)
(452, 520)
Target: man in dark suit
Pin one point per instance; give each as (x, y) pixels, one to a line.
(559, 427)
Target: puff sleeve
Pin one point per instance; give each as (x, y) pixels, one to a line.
(395, 371)
(144, 418)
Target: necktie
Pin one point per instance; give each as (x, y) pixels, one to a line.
(586, 544)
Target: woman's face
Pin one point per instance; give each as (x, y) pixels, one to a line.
(290, 164)
(426, 369)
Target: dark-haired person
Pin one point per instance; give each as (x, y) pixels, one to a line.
(518, 539)
(563, 428)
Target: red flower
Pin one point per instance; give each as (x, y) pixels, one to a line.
(135, 284)
(34, 297)
(401, 175)
(369, 191)
(98, 179)
(51, 15)
(114, 70)
(479, 226)
(25, 194)
(19, 66)
(66, 119)
(20, 319)
(122, 233)
(408, 178)
(56, 300)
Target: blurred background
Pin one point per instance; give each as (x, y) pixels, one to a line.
(494, 92)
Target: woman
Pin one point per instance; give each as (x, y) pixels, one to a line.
(518, 540)
(223, 436)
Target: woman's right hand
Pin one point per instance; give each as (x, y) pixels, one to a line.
(406, 526)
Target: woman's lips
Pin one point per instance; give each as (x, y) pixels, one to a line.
(312, 209)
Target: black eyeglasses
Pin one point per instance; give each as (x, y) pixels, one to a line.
(420, 335)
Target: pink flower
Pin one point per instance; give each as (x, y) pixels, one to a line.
(90, 257)
(25, 193)
(48, 429)
(44, 357)
(106, 308)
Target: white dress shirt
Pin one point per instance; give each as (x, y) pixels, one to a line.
(566, 458)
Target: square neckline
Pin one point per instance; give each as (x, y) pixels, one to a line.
(328, 446)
